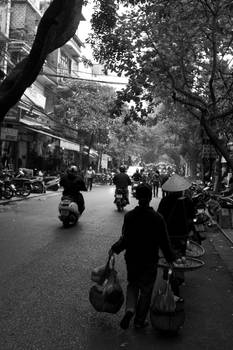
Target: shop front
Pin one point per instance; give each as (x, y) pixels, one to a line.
(8, 147)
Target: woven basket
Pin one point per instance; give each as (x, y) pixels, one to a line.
(168, 322)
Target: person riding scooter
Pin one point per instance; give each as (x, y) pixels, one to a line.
(137, 176)
(73, 184)
(122, 181)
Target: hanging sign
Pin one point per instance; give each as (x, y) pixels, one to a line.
(9, 134)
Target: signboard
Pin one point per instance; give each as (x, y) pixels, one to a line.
(70, 145)
(9, 134)
(3, 19)
(34, 94)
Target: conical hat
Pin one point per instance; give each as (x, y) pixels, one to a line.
(176, 183)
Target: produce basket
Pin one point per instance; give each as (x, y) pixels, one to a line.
(168, 322)
(189, 264)
(194, 250)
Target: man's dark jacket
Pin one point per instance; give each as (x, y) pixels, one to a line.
(121, 180)
(72, 186)
(143, 233)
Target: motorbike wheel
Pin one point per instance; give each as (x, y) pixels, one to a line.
(66, 223)
(73, 220)
(119, 207)
(25, 190)
(8, 193)
(38, 187)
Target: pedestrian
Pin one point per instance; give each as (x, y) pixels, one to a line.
(163, 179)
(178, 212)
(90, 174)
(155, 181)
(143, 233)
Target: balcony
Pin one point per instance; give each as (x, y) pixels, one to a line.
(19, 46)
(21, 41)
(73, 47)
(48, 75)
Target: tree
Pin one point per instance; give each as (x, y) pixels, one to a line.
(89, 110)
(174, 51)
(58, 24)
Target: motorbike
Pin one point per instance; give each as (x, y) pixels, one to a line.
(52, 183)
(199, 226)
(5, 190)
(68, 211)
(217, 202)
(134, 187)
(120, 198)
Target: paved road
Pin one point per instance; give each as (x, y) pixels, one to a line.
(45, 279)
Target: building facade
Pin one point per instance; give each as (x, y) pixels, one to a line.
(32, 136)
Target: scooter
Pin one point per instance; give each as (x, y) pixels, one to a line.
(134, 187)
(120, 199)
(52, 183)
(68, 210)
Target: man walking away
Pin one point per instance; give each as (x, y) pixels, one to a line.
(143, 233)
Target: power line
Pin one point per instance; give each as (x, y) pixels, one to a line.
(86, 79)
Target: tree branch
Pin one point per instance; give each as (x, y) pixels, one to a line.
(58, 24)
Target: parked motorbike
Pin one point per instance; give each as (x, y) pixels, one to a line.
(216, 202)
(22, 186)
(199, 226)
(5, 190)
(68, 210)
(52, 183)
(120, 198)
(37, 185)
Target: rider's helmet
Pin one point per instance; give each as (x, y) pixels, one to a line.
(122, 168)
(72, 171)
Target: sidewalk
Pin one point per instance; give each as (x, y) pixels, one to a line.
(32, 195)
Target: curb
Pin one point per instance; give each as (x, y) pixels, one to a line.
(19, 199)
(225, 233)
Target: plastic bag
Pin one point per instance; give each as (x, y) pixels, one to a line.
(166, 313)
(164, 299)
(101, 273)
(109, 297)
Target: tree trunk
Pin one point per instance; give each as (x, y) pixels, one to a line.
(89, 147)
(58, 25)
(217, 174)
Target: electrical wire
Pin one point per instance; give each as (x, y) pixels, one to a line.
(85, 79)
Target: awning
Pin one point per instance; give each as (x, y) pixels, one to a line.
(63, 142)
(36, 127)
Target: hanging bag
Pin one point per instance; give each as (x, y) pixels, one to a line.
(100, 274)
(109, 297)
(167, 312)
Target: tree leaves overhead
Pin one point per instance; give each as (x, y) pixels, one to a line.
(89, 109)
(178, 50)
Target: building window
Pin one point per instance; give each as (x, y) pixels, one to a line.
(65, 65)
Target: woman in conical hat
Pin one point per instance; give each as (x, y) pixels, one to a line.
(176, 183)
(178, 212)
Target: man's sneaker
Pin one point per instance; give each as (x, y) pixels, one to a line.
(126, 320)
(141, 325)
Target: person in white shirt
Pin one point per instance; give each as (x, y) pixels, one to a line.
(90, 174)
